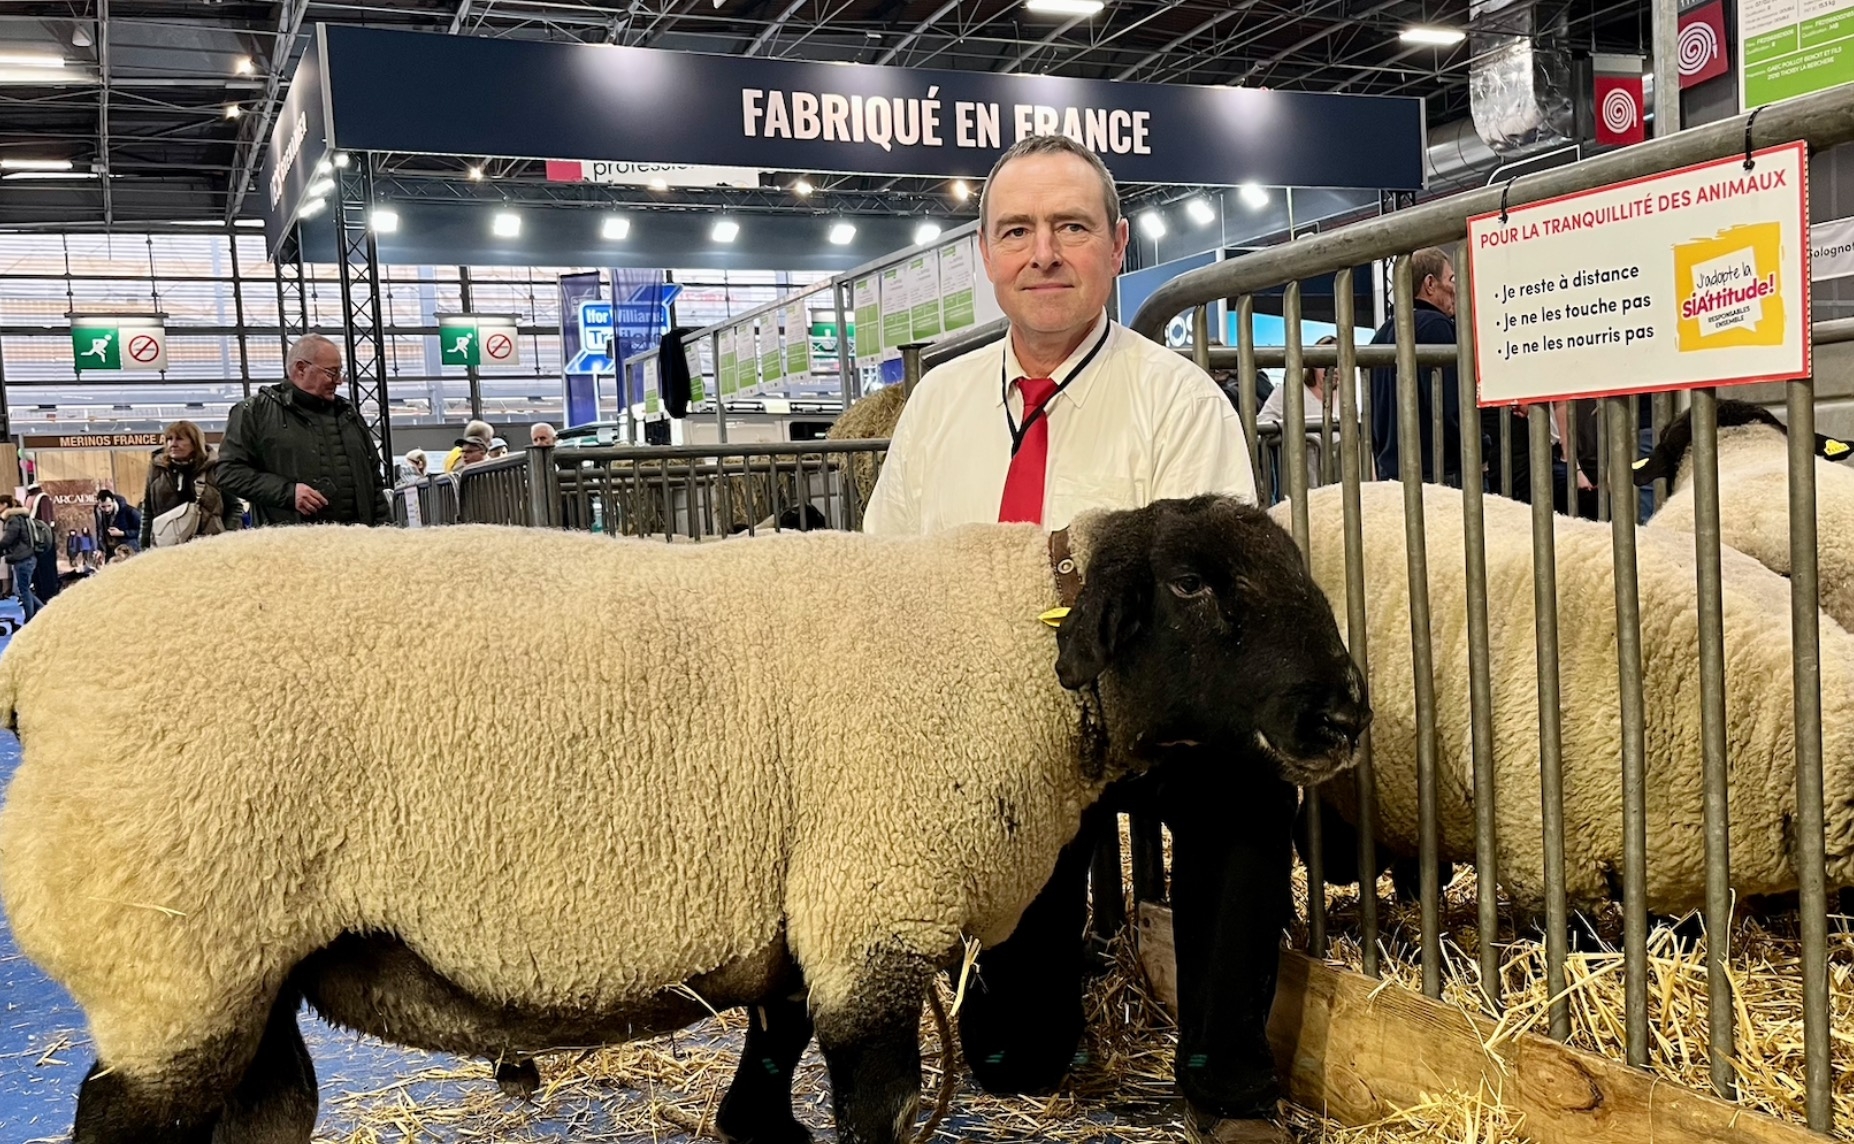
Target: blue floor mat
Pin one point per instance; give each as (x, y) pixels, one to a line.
(374, 1093)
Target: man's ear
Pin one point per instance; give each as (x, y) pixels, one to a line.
(1114, 604)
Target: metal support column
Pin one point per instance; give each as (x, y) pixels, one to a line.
(846, 360)
(359, 261)
(238, 311)
(6, 416)
(292, 291)
(476, 379)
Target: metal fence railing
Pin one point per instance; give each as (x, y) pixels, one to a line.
(1821, 120)
(693, 492)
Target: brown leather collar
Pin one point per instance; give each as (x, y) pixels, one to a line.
(1062, 563)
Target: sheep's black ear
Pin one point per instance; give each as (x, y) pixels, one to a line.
(1115, 601)
(1664, 462)
(1650, 469)
(1833, 448)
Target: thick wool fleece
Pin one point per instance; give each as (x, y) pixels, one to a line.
(592, 809)
(1754, 510)
(871, 418)
(1759, 727)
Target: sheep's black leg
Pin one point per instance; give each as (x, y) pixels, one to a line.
(1338, 843)
(115, 1108)
(872, 1048)
(758, 1106)
(275, 1102)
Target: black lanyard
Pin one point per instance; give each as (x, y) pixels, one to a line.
(1018, 432)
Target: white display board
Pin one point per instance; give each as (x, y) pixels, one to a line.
(1697, 277)
(868, 320)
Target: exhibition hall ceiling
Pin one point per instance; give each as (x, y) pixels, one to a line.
(122, 113)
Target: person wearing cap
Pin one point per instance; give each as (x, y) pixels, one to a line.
(45, 572)
(299, 453)
(480, 431)
(471, 449)
(498, 448)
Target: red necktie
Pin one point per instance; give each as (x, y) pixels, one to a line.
(1023, 485)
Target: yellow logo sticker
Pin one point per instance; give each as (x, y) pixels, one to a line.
(1730, 288)
(1833, 448)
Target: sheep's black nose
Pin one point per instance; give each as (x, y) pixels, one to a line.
(1347, 714)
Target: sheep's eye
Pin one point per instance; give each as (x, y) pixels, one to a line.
(1189, 585)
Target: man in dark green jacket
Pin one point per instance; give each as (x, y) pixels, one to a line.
(301, 454)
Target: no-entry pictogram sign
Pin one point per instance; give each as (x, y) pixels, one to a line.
(144, 348)
(498, 348)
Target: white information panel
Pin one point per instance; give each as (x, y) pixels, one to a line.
(1695, 277)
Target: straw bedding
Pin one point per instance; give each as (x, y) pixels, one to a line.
(666, 1090)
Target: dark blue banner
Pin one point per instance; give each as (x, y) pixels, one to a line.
(294, 160)
(466, 95)
(585, 335)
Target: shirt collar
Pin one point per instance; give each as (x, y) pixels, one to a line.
(1078, 390)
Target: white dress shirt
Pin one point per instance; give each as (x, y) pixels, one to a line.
(1140, 424)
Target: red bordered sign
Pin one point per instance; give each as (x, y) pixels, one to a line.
(1695, 277)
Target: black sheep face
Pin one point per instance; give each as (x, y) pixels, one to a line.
(1201, 626)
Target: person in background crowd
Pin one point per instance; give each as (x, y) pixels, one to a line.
(299, 453)
(498, 448)
(1434, 319)
(21, 559)
(40, 506)
(184, 472)
(1070, 412)
(416, 461)
(118, 524)
(470, 449)
(1313, 379)
(478, 429)
(541, 435)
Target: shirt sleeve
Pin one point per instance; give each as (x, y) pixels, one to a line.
(895, 505)
(1201, 448)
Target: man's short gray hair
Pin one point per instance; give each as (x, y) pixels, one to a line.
(305, 347)
(1053, 145)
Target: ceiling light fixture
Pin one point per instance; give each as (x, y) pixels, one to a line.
(801, 188)
(233, 111)
(30, 60)
(324, 167)
(341, 160)
(1065, 7)
(384, 220)
(1151, 224)
(50, 175)
(1201, 212)
(243, 65)
(476, 172)
(35, 164)
(659, 184)
(725, 230)
(507, 224)
(1253, 196)
(615, 227)
(311, 208)
(961, 191)
(842, 234)
(926, 232)
(1441, 37)
(81, 37)
(320, 187)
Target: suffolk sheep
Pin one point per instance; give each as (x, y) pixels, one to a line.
(1759, 733)
(1754, 481)
(670, 798)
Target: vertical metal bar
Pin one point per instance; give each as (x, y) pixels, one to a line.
(1621, 495)
(1245, 389)
(1294, 456)
(714, 345)
(238, 314)
(1811, 858)
(1354, 453)
(1409, 420)
(1438, 449)
(1551, 756)
(911, 366)
(1602, 458)
(1706, 541)
(846, 360)
(1200, 337)
(1480, 686)
(470, 371)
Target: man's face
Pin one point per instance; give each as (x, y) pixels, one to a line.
(1048, 249)
(1440, 292)
(321, 374)
(473, 453)
(543, 438)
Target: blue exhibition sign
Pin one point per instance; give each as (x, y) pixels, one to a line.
(397, 91)
(578, 293)
(595, 338)
(639, 324)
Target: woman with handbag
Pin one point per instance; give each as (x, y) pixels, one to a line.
(182, 500)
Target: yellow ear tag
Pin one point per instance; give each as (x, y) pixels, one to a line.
(1835, 448)
(1054, 616)
(1642, 461)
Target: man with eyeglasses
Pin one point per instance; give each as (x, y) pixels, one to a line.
(299, 452)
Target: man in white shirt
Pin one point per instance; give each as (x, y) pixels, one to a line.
(1071, 412)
